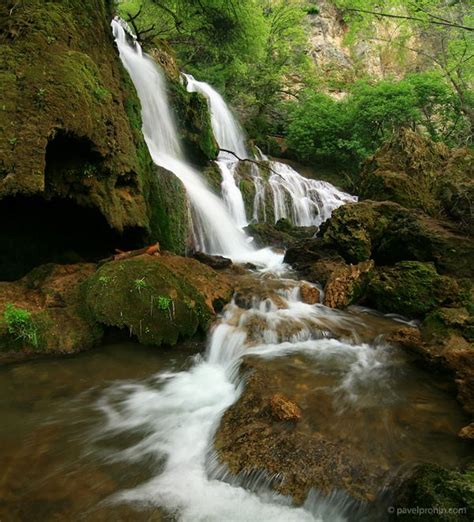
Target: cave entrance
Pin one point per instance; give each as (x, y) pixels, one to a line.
(35, 231)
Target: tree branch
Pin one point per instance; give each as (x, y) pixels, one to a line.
(432, 19)
(259, 163)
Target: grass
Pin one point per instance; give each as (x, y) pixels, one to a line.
(140, 284)
(164, 302)
(20, 325)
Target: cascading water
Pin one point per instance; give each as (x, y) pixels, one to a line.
(227, 131)
(305, 202)
(229, 136)
(215, 230)
(179, 413)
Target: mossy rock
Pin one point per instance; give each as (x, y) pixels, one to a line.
(410, 288)
(159, 299)
(443, 322)
(389, 233)
(58, 318)
(194, 123)
(356, 229)
(438, 494)
(406, 170)
(169, 212)
(70, 120)
(418, 173)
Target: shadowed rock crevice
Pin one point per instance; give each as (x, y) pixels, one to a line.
(36, 231)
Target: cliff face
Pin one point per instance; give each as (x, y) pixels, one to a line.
(70, 140)
(344, 63)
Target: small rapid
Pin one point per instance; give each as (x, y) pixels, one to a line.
(178, 413)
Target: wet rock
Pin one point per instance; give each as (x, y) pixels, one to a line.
(216, 262)
(309, 294)
(284, 409)
(467, 432)
(159, 299)
(452, 354)
(411, 288)
(249, 440)
(280, 235)
(437, 489)
(347, 284)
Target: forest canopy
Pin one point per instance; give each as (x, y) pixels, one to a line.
(257, 53)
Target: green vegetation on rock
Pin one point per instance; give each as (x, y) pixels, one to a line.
(158, 299)
(20, 325)
(410, 288)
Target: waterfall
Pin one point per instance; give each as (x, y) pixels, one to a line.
(214, 228)
(305, 202)
(227, 131)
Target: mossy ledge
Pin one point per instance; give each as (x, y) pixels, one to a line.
(70, 129)
(158, 299)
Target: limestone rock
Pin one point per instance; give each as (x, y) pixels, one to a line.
(310, 294)
(346, 284)
(284, 409)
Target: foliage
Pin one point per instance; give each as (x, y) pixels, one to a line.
(247, 49)
(20, 325)
(164, 302)
(438, 33)
(347, 131)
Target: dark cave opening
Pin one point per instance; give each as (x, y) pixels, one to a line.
(35, 231)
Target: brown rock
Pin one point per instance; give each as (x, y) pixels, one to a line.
(467, 432)
(284, 409)
(346, 283)
(309, 294)
(248, 439)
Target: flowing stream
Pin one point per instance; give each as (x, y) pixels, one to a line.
(128, 433)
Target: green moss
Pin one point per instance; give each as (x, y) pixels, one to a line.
(20, 325)
(450, 493)
(161, 309)
(194, 123)
(411, 288)
(169, 215)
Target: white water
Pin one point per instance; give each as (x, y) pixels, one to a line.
(214, 228)
(227, 131)
(231, 193)
(177, 413)
(304, 202)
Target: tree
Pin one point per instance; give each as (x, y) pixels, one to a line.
(439, 32)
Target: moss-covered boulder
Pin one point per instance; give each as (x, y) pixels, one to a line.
(432, 492)
(44, 313)
(70, 124)
(281, 234)
(159, 299)
(411, 288)
(388, 233)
